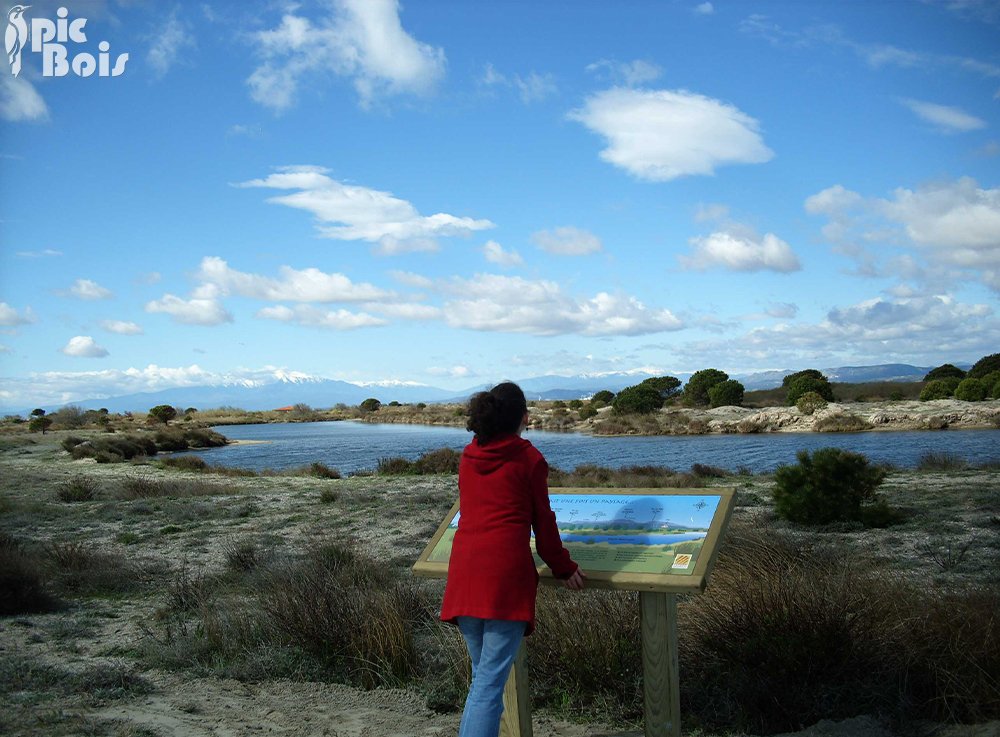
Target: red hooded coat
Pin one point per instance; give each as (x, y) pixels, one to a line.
(503, 495)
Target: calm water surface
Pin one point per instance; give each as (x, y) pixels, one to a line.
(352, 446)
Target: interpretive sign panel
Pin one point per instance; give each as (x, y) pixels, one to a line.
(637, 539)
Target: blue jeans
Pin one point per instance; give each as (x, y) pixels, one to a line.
(493, 645)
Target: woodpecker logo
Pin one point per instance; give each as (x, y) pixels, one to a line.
(53, 39)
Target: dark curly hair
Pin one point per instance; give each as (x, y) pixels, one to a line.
(496, 412)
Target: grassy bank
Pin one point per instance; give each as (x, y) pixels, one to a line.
(137, 571)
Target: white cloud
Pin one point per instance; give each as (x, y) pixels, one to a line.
(707, 212)
(567, 241)
(630, 73)
(10, 317)
(832, 200)
(360, 213)
(491, 302)
(405, 310)
(363, 40)
(496, 254)
(196, 311)
(958, 219)
(293, 285)
(88, 290)
(61, 387)
(705, 8)
(121, 327)
(782, 310)
(412, 280)
(741, 252)
(309, 316)
(83, 346)
(45, 253)
(947, 119)
(171, 38)
(917, 330)
(452, 372)
(6, 349)
(659, 135)
(534, 87)
(955, 224)
(20, 101)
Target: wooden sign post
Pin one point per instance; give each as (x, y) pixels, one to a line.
(658, 542)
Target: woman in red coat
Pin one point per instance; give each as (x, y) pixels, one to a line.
(492, 580)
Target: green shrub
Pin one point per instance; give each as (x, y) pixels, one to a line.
(321, 470)
(111, 448)
(442, 460)
(809, 402)
(696, 389)
(185, 463)
(23, 588)
(586, 412)
(575, 404)
(328, 496)
(945, 371)
(831, 485)
(841, 422)
(727, 393)
(972, 390)
(985, 365)
(78, 489)
(804, 385)
(941, 461)
(163, 413)
(805, 373)
(667, 386)
(640, 400)
(939, 389)
(604, 396)
(370, 405)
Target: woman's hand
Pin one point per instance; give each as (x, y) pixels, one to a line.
(576, 581)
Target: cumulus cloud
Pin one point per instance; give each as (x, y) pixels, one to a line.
(918, 329)
(122, 327)
(496, 254)
(630, 73)
(741, 252)
(567, 241)
(659, 135)
(11, 317)
(20, 101)
(310, 316)
(944, 118)
(88, 290)
(292, 285)
(350, 212)
(362, 40)
(953, 223)
(491, 302)
(705, 8)
(83, 346)
(452, 372)
(200, 310)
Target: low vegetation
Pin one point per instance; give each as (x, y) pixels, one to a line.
(817, 614)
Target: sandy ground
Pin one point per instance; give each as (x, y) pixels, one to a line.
(391, 518)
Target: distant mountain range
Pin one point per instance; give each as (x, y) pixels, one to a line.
(285, 390)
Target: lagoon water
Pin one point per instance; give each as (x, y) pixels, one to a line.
(353, 446)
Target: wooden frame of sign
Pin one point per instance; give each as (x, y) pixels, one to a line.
(634, 550)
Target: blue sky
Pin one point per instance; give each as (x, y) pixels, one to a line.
(451, 193)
